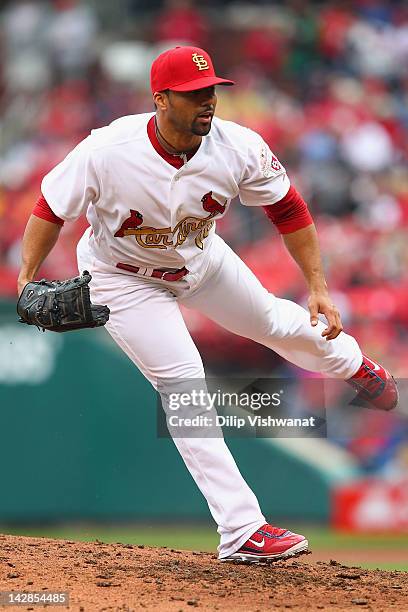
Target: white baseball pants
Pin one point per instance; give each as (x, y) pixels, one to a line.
(147, 324)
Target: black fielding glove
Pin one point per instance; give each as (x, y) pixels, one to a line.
(60, 305)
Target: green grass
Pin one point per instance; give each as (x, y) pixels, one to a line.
(190, 537)
(323, 537)
(172, 536)
(395, 565)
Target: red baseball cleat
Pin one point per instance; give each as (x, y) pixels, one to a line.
(270, 543)
(374, 385)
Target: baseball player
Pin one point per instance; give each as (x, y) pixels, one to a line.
(152, 187)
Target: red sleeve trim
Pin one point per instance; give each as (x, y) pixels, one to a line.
(290, 213)
(43, 210)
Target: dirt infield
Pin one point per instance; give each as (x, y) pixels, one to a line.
(129, 577)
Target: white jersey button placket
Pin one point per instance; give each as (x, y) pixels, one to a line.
(175, 207)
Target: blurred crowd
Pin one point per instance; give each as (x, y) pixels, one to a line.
(325, 83)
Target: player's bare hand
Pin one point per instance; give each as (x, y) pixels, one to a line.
(320, 303)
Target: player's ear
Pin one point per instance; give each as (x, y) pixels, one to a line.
(161, 100)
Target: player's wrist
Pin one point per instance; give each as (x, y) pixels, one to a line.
(322, 291)
(20, 286)
(318, 286)
(22, 280)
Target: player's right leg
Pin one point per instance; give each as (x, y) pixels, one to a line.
(145, 321)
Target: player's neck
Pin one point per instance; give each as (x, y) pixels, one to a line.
(174, 142)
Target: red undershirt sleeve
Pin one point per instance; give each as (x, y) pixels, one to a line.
(43, 210)
(290, 213)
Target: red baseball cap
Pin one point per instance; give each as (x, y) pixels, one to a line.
(184, 69)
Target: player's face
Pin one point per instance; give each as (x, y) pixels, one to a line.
(192, 111)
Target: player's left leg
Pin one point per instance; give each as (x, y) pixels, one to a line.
(232, 296)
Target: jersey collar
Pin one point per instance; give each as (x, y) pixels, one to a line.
(174, 160)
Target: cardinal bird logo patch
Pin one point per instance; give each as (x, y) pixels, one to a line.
(211, 205)
(131, 223)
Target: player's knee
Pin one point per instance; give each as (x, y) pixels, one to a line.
(180, 372)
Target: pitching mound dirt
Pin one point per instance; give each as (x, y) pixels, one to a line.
(125, 577)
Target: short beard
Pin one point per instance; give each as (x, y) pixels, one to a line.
(201, 131)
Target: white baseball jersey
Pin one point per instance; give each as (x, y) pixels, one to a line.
(142, 210)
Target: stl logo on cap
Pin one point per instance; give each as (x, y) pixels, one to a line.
(200, 61)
